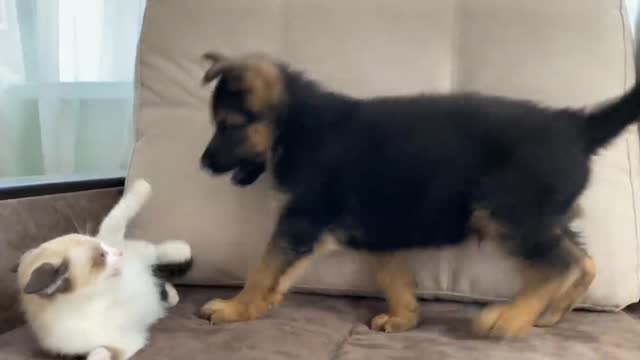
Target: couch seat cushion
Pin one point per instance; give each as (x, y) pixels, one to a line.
(323, 327)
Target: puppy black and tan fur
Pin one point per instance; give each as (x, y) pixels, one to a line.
(394, 173)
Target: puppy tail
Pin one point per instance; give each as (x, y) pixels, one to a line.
(603, 125)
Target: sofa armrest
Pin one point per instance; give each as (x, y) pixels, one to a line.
(27, 222)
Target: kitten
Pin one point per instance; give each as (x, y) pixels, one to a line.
(100, 295)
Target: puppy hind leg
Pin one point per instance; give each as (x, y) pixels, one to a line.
(396, 280)
(549, 267)
(578, 282)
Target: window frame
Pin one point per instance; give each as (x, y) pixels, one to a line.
(46, 186)
(42, 185)
(32, 88)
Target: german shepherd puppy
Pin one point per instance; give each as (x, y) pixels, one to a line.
(393, 173)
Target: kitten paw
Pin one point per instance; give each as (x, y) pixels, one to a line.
(172, 294)
(141, 187)
(174, 251)
(392, 324)
(100, 354)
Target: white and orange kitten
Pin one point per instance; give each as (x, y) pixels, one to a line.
(100, 295)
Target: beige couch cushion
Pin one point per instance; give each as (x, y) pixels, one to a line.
(560, 52)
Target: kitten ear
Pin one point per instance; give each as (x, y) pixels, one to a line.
(16, 266)
(48, 279)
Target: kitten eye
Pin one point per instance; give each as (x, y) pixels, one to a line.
(99, 257)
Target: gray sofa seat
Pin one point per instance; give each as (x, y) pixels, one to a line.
(321, 327)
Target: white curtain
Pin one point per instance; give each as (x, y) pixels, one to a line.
(66, 86)
(633, 7)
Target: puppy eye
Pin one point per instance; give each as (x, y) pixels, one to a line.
(224, 127)
(103, 254)
(221, 127)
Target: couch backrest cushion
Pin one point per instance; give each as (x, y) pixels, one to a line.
(558, 52)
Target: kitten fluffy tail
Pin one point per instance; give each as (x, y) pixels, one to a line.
(112, 228)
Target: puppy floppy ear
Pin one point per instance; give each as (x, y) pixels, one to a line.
(219, 64)
(48, 279)
(214, 57)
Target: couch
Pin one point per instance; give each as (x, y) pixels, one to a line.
(561, 53)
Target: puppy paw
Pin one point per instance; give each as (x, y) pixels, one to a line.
(174, 251)
(504, 321)
(392, 324)
(100, 354)
(221, 311)
(553, 315)
(549, 320)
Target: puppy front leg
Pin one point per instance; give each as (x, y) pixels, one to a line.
(258, 294)
(294, 245)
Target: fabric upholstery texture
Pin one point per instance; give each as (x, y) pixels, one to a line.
(28, 222)
(331, 328)
(557, 52)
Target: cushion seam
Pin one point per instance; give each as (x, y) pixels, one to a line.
(454, 86)
(372, 293)
(344, 341)
(628, 148)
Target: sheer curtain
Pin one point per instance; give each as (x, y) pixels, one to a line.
(66, 86)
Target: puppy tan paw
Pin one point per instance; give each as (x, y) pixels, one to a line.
(503, 322)
(550, 318)
(391, 324)
(219, 311)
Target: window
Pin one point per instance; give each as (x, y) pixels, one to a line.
(3, 15)
(66, 88)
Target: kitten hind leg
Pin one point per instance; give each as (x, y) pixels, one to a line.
(173, 252)
(100, 353)
(130, 347)
(142, 250)
(173, 259)
(108, 353)
(170, 295)
(168, 252)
